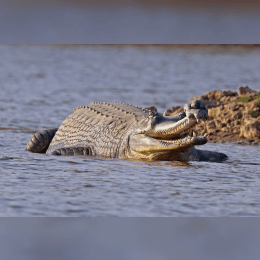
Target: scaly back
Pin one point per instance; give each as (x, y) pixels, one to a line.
(103, 127)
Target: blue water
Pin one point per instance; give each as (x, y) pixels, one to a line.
(52, 22)
(40, 86)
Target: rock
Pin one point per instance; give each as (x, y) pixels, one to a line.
(244, 91)
(250, 130)
(216, 98)
(172, 111)
(232, 117)
(152, 108)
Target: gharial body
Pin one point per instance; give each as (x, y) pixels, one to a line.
(120, 130)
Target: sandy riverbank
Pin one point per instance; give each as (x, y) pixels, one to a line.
(233, 116)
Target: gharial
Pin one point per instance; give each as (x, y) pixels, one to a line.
(120, 130)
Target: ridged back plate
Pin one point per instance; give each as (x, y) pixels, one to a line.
(100, 126)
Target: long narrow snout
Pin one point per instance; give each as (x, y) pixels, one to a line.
(168, 127)
(170, 133)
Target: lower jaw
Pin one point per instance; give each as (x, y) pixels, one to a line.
(185, 141)
(180, 136)
(170, 155)
(171, 137)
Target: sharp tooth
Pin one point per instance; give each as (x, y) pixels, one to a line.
(194, 134)
(197, 120)
(205, 135)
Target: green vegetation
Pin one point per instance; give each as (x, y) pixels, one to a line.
(256, 97)
(243, 99)
(257, 103)
(254, 113)
(247, 99)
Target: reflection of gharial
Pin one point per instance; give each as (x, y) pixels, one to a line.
(119, 130)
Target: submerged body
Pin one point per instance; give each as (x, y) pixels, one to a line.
(119, 130)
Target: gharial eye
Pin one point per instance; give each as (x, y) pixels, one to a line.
(154, 120)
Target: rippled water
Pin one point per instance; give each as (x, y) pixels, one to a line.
(40, 85)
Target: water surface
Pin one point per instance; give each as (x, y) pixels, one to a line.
(40, 86)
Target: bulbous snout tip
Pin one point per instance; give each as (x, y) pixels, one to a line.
(197, 104)
(196, 110)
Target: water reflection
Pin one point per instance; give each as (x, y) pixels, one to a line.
(174, 164)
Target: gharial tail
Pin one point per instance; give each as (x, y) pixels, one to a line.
(40, 142)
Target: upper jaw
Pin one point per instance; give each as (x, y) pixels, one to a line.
(168, 127)
(168, 133)
(171, 130)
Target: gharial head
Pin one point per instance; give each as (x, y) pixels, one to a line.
(160, 135)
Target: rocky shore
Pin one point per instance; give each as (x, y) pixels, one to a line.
(233, 116)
